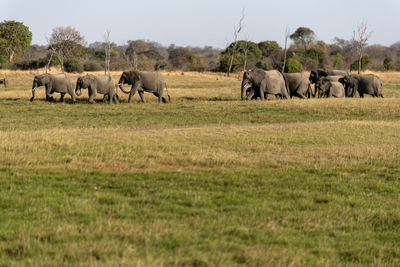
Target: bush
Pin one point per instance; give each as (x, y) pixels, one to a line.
(92, 66)
(73, 65)
(293, 65)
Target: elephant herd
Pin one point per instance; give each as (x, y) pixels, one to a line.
(328, 83)
(152, 82)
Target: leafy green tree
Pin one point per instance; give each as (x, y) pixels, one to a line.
(268, 48)
(388, 64)
(364, 63)
(303, 36)
(197, 63)
(337, 60)
(15, 38)
(293, 65)
(247, 53)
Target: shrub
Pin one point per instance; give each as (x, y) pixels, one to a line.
(92, 66)
(73, 65)
(293, 65)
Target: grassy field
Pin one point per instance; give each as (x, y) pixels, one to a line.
(204, 180)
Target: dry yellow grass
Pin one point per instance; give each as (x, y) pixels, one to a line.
(311, 144)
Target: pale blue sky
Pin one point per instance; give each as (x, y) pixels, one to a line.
(205, 22)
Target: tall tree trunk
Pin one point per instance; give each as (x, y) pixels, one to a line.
(231, 61)
(48, 63)
(359, 62)
(135, 61)
(11, 56)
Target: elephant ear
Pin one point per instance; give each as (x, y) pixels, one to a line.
(322, 73)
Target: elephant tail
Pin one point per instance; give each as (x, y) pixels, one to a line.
(166, 89)
(286, 83)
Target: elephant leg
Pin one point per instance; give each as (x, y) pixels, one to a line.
(135, 87)
(302, 96)
(141, 94)
(92, 94)
(158, 96)
(62, 97)
(48, 94)
(261, 89)
(115, 97)
(72, 96)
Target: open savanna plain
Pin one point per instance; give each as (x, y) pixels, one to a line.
(206, 180)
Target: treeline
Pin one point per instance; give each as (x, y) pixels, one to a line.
(68, 48)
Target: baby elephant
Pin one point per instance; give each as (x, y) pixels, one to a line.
(103, 84)
(329, 88)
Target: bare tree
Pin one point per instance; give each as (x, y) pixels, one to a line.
(287, 34)
(236, 32)
(360, 41)
(51, 48)
(245, 51)
(107, 50)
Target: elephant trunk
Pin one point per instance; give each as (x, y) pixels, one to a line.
(78, 89)
(5, 82)
(122, 88)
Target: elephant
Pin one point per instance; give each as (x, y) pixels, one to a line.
(330, 88)
(333, 78)
(299, 85)
(60, 83)
(4, 81)
(266, 82)
(365, 84)
(103, 84)
(152, 82)
(254, 93)
(315, 75)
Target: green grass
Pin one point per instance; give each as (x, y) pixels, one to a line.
(202, 181)
(287, 216)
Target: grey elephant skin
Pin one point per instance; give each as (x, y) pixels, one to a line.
(102, 84)
(329, 88)
(60, 83)
(315, 75)
(151, 82)
(4, 81)
(333, 78)
(363, 84)
(299, 85)
(267, 82)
